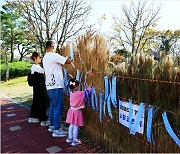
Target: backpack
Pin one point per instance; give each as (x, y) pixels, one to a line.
(30, 79)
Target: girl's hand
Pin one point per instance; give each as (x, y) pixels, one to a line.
(89, 88)
(93, 74)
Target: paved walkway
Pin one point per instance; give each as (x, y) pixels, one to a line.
(18, 136)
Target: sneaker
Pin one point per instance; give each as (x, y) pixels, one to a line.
(51, 129)
(69, 140)
(59, 133)
(33, 120)
(74, 143)
(44, 123)
(63, 130)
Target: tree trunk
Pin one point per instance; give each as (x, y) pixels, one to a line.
(133, 41)
(7, 66)
(12, 42)
(58, 49)
(12, 53)
(41, 47)
(21, 57)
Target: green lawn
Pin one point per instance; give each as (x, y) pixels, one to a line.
(18, 89)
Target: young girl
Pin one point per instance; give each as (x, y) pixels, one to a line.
(38, 108)
(75, 115)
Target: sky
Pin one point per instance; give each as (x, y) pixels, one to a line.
(170, 13)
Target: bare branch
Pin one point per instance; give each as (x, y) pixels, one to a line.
(47, 18)
(137, 19)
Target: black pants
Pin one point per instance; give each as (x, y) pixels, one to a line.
(38, 108)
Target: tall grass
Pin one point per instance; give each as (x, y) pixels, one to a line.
(90, 53)
(164, 95)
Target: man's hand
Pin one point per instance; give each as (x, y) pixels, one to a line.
(68, 61)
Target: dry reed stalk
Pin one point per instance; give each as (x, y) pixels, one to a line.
(90, 52)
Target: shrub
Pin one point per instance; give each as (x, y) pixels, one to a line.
(16, 69)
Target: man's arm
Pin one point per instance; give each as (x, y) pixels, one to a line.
(68, 61)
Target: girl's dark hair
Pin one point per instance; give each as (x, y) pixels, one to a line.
(49, 43)
(35, 55)
(73, 83)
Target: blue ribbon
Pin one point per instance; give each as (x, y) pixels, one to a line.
(149, 125)
(97, 107)
(106, 86)
(78, 77)
(100, 106)
(110, 95)
(71, 52)
(87, 95)
(169, 129)
(109, 103)
(94, 98)
(106, 92)
(85, 85)
(109, 106)
(113, 92)
(104, 108)
(130, 114)
(137, 119)
(66, 81)
(89, 98)
(78, 74)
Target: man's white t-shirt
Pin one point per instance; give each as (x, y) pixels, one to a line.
(53, 70)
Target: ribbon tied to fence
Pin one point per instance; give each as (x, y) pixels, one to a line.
(137, 119)
(169, 129)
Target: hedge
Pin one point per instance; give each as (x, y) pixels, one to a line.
(16, 69)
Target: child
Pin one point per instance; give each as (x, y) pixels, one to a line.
(38, 108)
(75, 115)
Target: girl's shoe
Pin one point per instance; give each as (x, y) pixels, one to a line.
(74, 143)
(51, 129)
(69, 140)
(33, 120)
(44, 123)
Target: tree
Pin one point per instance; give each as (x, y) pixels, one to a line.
(3, 51)
(131, 30)
(166, 40)
(9, 18)
(170, 41)
(25, 49)
(26, 41)
(53, 19)
(122, 52)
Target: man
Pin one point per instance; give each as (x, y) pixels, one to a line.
(52, 63)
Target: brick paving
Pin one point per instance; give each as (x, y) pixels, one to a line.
(19, 136)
